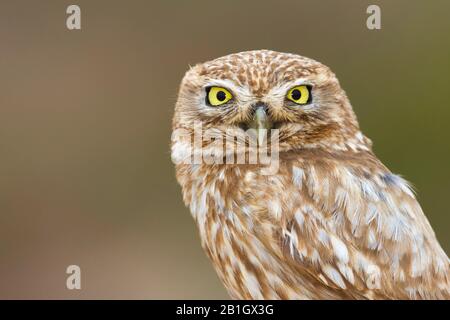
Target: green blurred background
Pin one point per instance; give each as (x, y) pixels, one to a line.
(85, 120)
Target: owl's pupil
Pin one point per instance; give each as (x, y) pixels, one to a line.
(296, 94)
(221, 96)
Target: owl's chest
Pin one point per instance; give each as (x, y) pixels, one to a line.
(240, 256)
(231, 209)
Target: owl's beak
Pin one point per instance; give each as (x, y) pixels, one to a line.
(260, 122)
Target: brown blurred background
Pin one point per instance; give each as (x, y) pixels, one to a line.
(85, 120)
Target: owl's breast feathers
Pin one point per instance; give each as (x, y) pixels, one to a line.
(325, 226)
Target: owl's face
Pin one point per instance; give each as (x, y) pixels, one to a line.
(298, 96)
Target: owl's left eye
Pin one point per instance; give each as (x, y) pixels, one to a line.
(300, 94)
(217, 96)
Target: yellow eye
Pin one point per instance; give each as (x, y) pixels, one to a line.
(299, 94)
(217, 96)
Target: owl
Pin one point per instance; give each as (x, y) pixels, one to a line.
(331, 222)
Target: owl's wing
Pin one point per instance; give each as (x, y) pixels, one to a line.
(362, 235)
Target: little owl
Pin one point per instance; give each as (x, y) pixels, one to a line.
(332, 222)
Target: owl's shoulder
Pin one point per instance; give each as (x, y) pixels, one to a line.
(361, 226)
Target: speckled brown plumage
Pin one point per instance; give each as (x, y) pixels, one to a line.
(332, 223)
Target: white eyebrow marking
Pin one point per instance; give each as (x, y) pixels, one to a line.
(241, 93)
(284, 87)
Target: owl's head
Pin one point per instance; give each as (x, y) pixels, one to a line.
(298, 96)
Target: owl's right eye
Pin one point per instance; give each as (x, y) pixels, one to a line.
(216, 96)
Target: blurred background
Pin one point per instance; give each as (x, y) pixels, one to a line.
(85, 122)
